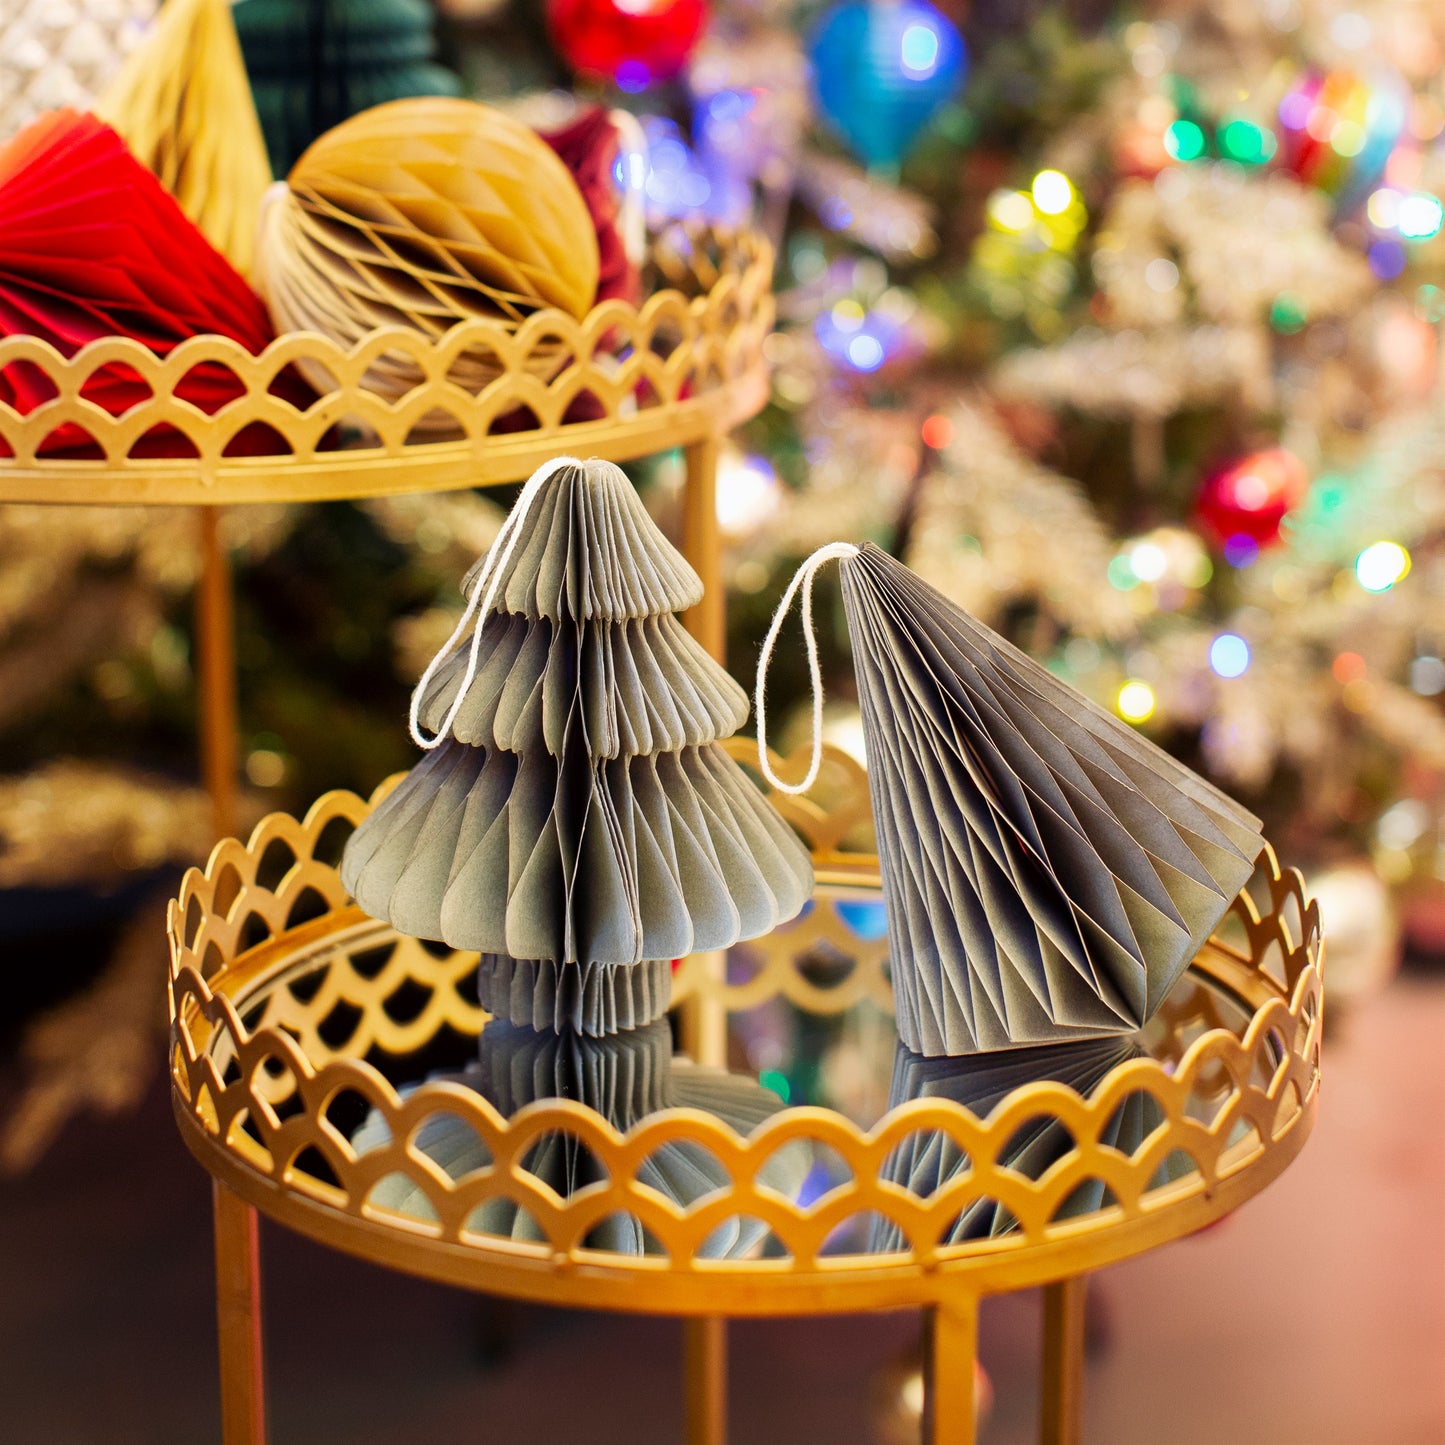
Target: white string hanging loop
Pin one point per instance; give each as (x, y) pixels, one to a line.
(803, 578)
(483, 594)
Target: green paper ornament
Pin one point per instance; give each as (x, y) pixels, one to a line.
(316, 63)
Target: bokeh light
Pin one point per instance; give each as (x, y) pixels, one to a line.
(1184, 141)
(1420, 216)
(1052, 192)
(1135, 701)
(748, 493)
(919, 50)
(1427, 675)
(1244, 141)
(1381, 565)
(1148, 561)
(1229, 654)
(937, 431)
(1010, 210)
(1240, 551)
(865, 352)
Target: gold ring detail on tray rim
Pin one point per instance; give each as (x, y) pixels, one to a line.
(1264, 1082)
(707, 374)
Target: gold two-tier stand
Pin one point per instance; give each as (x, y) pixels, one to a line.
(268, 954)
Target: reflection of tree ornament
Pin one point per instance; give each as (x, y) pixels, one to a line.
(881, 72)
(1243, 503)
(634, 42)
(625, 1078)
(1339, 130)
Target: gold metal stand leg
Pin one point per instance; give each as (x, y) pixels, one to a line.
(950, 1355)
(705, 1375)
(704, 1019)
(216, 668)
(702, 546)
(1062, 1420)
(238, 1318)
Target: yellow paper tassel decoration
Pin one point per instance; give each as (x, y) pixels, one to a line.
(423, 213)
(182, 103)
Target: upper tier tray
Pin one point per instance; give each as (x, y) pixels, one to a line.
(685, 365)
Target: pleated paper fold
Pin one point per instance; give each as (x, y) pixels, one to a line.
(624, 1078)
(643, 686)
(91, 247)
(587, 549)
(1048, 873)
(594, 999)
(651, 857)
(422, 213)
(579, 819)
(183, 105)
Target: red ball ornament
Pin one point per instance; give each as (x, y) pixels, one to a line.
(634, 42)
(1243, 503)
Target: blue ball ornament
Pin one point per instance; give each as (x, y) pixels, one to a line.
(881, 71)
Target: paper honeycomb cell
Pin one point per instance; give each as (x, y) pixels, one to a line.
(423, 213)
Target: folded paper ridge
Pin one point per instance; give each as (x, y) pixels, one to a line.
(92, 246)
(1048, 872)
(183, 104)
(594, 999)
(587, 549)
(624, 1077)
(620, 861)
(619, 689)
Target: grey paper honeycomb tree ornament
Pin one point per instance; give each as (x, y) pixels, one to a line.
(575, 819)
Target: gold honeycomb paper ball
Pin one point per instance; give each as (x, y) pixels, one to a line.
(423, 213)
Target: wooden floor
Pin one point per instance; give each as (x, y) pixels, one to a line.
(1316, 1316)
